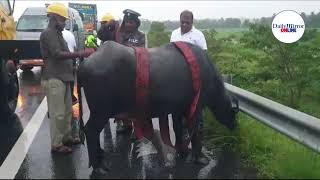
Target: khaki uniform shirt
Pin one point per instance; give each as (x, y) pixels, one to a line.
(136, 39)
(51, 41)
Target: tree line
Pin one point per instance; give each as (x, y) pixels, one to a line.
(312, 21)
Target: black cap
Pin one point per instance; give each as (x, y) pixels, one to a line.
(131, 14)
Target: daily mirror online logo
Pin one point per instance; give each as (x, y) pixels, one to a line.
(288, 26)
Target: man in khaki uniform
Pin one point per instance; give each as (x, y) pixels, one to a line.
(129, 30)
(56, 77)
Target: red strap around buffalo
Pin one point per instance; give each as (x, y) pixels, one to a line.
(142, 99)
(142, 79)
(196, 83)
(142, 92)
(143, 125)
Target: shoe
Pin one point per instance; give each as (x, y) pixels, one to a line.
(201, 159)
(99, 173)
(73, 141)
(61, 150)
(101, 170)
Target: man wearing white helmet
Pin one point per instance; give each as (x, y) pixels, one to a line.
(57, 74)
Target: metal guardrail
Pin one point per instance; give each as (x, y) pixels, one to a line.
(299, 126)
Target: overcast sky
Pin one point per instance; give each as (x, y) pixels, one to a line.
(170, 10)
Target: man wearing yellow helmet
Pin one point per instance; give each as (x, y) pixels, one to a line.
(57, 74)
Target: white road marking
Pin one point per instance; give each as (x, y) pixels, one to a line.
(12, 163)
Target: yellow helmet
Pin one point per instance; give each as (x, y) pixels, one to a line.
(59, 9)
(107, 17)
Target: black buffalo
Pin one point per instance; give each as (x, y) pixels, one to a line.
(108, 78)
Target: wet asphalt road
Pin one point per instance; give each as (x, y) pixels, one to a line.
(126, 158)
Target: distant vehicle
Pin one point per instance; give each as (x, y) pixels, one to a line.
(34, 20)
(89, 13)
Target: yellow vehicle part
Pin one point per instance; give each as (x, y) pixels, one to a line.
(7, 25)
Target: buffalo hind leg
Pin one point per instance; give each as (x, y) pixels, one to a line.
(168, 151)
(196, 141)
(93, 129)
(178, 127)
(164, 129)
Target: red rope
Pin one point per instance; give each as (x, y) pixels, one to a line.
(196, 83)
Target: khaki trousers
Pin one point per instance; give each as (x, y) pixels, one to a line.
(60, 109)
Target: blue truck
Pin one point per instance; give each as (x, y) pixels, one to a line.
(89, 15)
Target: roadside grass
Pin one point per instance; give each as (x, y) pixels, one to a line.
(310, 106)
(271, 153)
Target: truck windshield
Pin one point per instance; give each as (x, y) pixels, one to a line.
(5, 5)
(32, 23)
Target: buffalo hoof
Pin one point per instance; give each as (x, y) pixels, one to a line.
(121, 129)
(201, 160)
(98, 173)
(188, 158)
(182, 154)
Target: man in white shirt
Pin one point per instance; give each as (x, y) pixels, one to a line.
(72, 45)
(70, 39)
(188, 33)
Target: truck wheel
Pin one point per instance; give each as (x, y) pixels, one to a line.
(13, 91)
(9, 89)
(13, 85)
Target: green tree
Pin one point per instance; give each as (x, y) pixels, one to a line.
(157, 35)
(286, 65)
